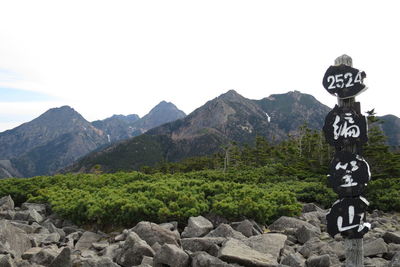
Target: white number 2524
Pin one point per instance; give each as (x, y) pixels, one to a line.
(343, 80)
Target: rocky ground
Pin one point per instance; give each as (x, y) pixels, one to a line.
(31, 236)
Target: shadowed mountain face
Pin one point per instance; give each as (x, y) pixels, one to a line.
(391, 128)
(53, 140)
(229, 117)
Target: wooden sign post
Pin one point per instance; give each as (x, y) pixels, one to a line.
(346, 129)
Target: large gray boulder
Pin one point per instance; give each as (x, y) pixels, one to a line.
(197, 227)
(312, 247)
(171, 255)
(247, 228)
(211, 245)
(133, 251)
(45, 256)
(152, 233)
(53, 229)
(6, 203)
(86, 240)
(271, 244)
(63, 259)
(293, 260)
(375, 247)
(14, 238)
(304, 233)
(235, 251)
(226, 231)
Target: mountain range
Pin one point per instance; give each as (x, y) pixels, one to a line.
(61, 139)
(60, 136)
(229, 117)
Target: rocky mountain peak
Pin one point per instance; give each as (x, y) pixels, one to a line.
(231, 95)
(165, 106)
(59, 117)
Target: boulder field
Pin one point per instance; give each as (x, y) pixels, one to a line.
(31, 236)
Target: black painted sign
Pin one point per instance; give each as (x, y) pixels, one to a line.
(347, 218)
(344, 126)
(349, 174)
(344, 81)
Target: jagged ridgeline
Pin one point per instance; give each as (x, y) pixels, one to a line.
(229, 118)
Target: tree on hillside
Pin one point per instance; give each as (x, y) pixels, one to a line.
(383, 162)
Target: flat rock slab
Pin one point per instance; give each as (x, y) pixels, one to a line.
(235, 251)
(284, 223)
(86, 240)
(171, 255)
(267, 243)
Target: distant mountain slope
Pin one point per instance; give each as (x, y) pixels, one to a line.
(119, 127)
(48, 126)
(53, 140)
(60, 136)
(290, 111)
(229, 117)
(391, 128)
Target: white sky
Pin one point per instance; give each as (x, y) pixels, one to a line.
(123, 57)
